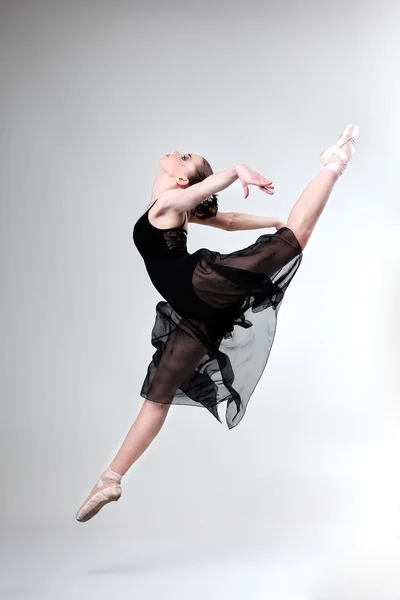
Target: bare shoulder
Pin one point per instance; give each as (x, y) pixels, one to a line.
(161, 214)
(163, 203)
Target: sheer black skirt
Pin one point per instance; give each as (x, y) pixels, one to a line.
(215, 349)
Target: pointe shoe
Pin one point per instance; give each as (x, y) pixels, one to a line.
(336, 157)
(107, 489)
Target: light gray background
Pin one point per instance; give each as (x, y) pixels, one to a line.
(301, 500)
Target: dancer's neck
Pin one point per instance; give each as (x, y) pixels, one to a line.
(162, 183)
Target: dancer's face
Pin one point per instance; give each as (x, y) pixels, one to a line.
(180, 166)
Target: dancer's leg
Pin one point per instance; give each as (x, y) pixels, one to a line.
(147, 425)
(183, 353)
(143, 431)
(308, 208)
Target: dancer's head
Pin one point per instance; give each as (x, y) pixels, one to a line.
(189, 169)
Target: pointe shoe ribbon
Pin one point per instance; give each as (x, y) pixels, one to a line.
(349, 134)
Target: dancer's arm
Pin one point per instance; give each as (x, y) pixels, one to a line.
(183, 200)
(235, 221)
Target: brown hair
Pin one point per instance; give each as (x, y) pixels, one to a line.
(209, 207)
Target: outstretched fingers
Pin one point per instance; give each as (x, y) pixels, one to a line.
(249, 177)
(266, 186)
(267, 190)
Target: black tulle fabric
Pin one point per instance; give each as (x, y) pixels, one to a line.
(214, 330)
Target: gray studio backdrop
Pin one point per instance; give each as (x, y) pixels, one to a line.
(92, 93)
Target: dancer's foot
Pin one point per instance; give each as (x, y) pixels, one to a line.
(107, 489)
(337, 157)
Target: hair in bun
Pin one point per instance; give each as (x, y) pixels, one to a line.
(209, 207)
(206, 209)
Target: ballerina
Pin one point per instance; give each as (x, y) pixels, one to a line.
(215, 327)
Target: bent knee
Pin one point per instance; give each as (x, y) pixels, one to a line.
(302, 236)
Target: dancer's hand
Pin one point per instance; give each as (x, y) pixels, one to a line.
(249, 177)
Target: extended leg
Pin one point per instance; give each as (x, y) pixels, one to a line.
(182, 354)
(143, 431)
(308, 208)
(147, 425)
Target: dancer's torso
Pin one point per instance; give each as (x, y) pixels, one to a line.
(155, 244)
(168, 262)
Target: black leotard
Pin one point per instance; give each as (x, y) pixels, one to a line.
(215, 329)
(169, 265)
